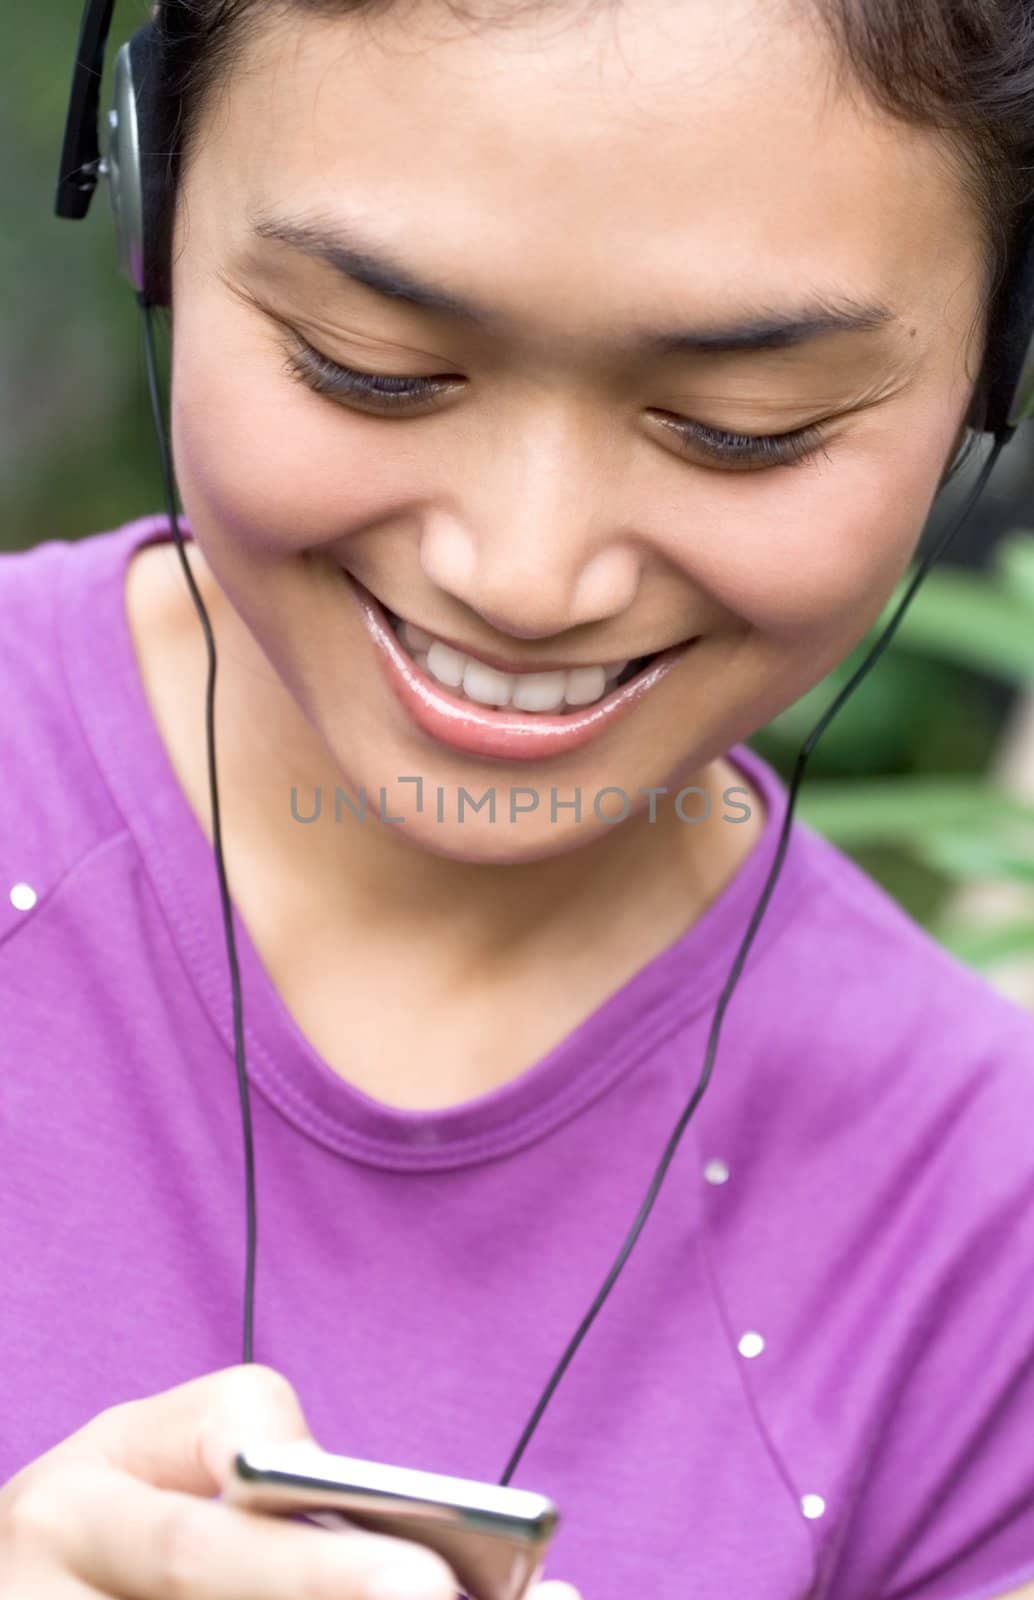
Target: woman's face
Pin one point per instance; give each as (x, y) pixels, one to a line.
(609, 191)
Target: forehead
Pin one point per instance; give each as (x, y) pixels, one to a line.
(624, 146)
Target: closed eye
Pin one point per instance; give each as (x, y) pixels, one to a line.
(380, 389)
(389, 393)
(749, 449)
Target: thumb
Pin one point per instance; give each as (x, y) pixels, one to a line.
(185, 1438)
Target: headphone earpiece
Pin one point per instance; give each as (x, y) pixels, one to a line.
(1010, 344)
(139, 173)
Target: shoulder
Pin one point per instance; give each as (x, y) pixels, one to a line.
(28, 579)
(864, 1009)
(869, 1053)
(54, 804)
(853, 1036)
(890, 1086)
(39, 590)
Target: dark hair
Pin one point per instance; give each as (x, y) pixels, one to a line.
(964, 67)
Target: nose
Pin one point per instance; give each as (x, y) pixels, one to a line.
(503, 624)
(527, 600)
(534, 565)
(513, 621)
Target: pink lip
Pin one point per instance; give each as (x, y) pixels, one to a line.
(506, 734)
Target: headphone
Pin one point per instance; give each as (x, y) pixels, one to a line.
(138, 176)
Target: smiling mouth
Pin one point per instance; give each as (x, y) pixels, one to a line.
(478, 709)
(589, 684)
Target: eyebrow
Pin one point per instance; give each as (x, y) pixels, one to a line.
(339, 244)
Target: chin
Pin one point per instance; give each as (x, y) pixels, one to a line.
(448, 826)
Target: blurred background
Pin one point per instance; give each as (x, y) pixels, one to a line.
(926, 775)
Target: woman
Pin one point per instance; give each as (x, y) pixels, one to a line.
(492, 337)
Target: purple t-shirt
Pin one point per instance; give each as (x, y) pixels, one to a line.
(815, 1374)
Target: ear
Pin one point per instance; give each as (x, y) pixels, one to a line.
(956, 446)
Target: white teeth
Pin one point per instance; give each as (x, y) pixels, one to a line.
(544, 691)
(485, 685)
(446, 664)
(525, 691)
(586, 684)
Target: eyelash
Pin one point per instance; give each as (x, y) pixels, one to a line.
(308, 366)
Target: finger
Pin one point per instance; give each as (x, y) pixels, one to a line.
(186, 1437)
(185, 1545)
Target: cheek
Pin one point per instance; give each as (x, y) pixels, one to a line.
(263, 462)
(810, 554)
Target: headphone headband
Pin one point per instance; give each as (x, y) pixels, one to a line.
(139, 176)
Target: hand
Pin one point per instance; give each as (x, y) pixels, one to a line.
(123, 1508)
